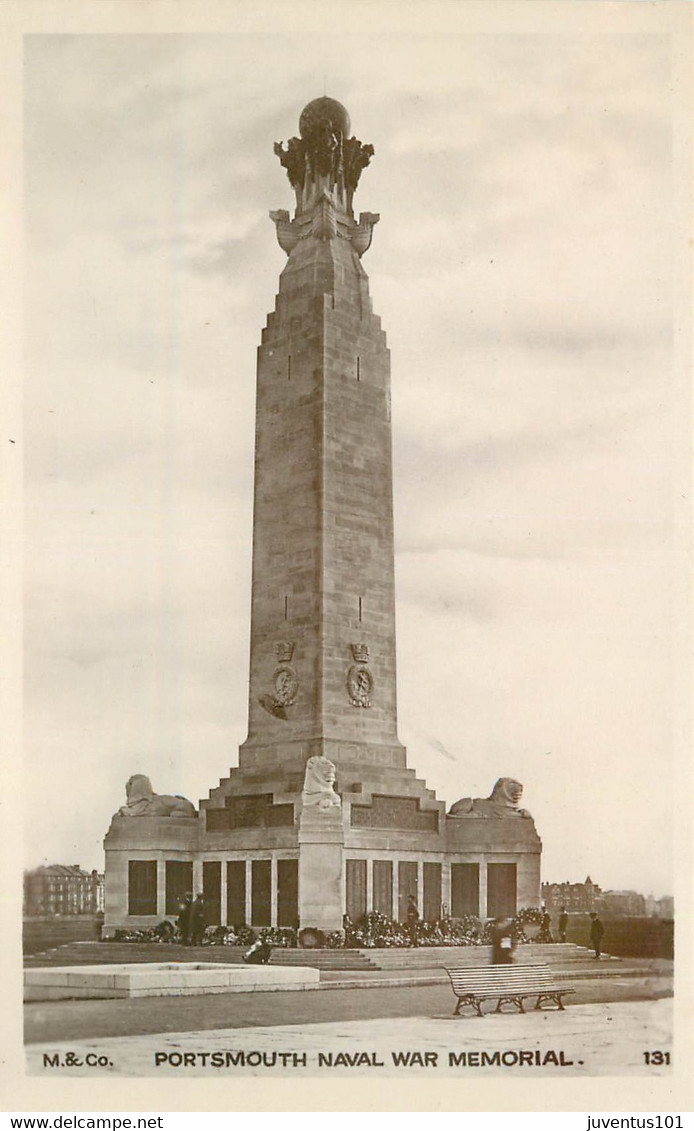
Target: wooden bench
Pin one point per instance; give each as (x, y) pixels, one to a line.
(509, 984)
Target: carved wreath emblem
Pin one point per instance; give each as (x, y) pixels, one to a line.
(359, 685)
(286, 686)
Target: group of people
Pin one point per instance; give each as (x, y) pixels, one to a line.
(192, 922)
(502, 932)
(192, 919)
(597, 928)
(504, 940)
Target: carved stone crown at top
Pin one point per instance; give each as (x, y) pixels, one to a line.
(324, 165)
(284, 650)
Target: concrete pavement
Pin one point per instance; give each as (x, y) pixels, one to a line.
(598, 1039)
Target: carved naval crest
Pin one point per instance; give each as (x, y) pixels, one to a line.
(285, 682)
(286, 686)
(359, 685)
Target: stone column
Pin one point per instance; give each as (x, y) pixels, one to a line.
(223, 900)
(115, 892)
(161, 887)
(273, 891)
(446, 885)
(483, 888)
(197, 876)
(321, 849)
(396, 892)
(369, 885)
(528, 891)
(249, 881)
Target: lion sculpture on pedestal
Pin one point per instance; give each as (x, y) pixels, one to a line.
(144, 802)
(502, 802)
(319, 784)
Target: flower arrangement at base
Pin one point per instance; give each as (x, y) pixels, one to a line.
(527, 924)
(279, 936)
(311, 938)
(243, 935)
(146, 935)
(238, 935)
(373, 930)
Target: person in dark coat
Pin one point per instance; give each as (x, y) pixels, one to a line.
(597, 930)
(259, 954)
(184, 920)
(412, 921)
(563, 924)
(502, 942)
(198, 920)
(348, 928)
(545, 934)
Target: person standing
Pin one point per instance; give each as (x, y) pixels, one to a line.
(198, 920)
(184, 920)
(563, 924)
(412, 920)
(597, 931)
(502, 942)
(545, 934)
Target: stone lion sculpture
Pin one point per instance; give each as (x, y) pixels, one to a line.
(144, 802)
(502, 802)
(319, 784)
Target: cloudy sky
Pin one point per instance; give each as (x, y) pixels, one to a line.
(523, 270)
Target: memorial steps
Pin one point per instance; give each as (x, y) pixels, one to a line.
(93, 953)
(558, 955)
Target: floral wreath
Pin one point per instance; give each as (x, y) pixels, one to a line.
(529, 915)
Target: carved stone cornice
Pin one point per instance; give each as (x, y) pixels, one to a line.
(324, 222)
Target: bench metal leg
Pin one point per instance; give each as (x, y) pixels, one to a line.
(509, 999)
(468, 999)
(549, 997)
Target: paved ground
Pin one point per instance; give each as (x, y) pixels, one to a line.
(79, 1020)
(600, 1039)
(360, 1022)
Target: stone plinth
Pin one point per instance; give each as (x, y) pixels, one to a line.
(321, 850)
(492, 834)
(162, 979)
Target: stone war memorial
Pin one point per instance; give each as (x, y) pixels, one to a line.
(323, 817)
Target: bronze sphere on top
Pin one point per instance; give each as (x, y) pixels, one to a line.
(325, 112)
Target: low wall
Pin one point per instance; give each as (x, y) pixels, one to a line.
(55, 930)
(627, 936)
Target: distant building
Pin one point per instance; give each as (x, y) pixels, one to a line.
(63, 889)
(589, 897)
(623, 903)
(665, 907)
(574, 897)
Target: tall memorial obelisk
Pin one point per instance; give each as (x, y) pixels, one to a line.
(322, 606)
(322, 817)
(322, 671)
